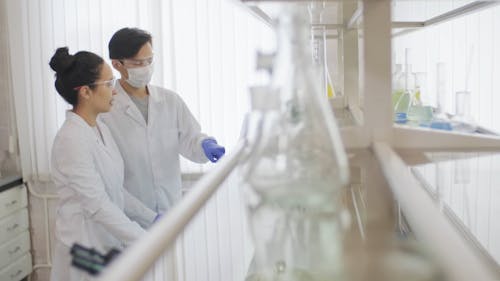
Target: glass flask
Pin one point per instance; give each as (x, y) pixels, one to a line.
(418, 113)
(297, 168)
(405, 98)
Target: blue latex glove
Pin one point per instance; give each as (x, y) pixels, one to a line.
(212, 150)
(157, 218)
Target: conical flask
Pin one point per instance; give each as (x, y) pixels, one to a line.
(297, 170)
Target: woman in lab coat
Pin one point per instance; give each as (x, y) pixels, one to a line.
(87, 167)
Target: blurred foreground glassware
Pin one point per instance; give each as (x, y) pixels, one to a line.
(297, 168)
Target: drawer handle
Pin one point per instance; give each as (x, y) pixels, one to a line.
(15, 250)
(13, 227)
(16, 274)
(13, 202)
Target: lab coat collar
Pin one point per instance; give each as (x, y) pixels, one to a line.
(131, 109)
(128, 105)
(77, 119)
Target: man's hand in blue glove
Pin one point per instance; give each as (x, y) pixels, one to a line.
(213, 151)
(158, 217)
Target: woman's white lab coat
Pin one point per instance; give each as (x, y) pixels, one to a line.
(91, 210)
(151, 149)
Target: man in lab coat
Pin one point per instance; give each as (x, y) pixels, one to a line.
(151, 125)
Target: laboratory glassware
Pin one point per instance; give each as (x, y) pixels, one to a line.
(440, 119)
(298, 168)
(404, 101)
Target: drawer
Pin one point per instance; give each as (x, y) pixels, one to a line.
(14, 249)
(13, 224)
(13, 199)
(17, 270)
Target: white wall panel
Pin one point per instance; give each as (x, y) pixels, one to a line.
(216, 244)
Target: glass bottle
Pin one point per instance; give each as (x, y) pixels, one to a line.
(297, 169)
(440, 119)
(318, 43)
(397, 84)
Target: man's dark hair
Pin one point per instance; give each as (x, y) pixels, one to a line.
(127, 42)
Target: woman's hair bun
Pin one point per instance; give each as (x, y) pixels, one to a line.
(61, 60)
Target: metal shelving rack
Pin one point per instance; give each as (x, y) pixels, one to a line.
(365, 34)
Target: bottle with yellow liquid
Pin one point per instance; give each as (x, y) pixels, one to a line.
(318, 42)
(330, 90)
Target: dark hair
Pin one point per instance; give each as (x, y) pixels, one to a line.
(82, 68)
(127, 42)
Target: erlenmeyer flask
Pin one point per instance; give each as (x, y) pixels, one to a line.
(297, 170)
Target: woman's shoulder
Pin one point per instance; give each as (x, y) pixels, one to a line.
(73, 135)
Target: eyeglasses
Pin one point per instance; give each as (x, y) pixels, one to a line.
(138, 62)
(108, 83)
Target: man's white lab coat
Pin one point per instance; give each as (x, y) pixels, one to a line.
(151, 149)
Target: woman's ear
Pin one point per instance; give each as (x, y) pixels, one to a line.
(84, 93)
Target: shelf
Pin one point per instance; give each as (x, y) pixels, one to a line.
(407, 15)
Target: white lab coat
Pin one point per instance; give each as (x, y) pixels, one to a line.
(151, 150)
(89, 175)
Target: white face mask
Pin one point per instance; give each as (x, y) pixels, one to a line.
(141, 76)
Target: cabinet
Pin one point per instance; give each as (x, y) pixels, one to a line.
(15, 257)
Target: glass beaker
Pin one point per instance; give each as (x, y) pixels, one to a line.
(441, 91)
(462, 121)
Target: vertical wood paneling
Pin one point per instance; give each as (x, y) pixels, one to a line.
(216, 242)
(485, 67)
(494, 209)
